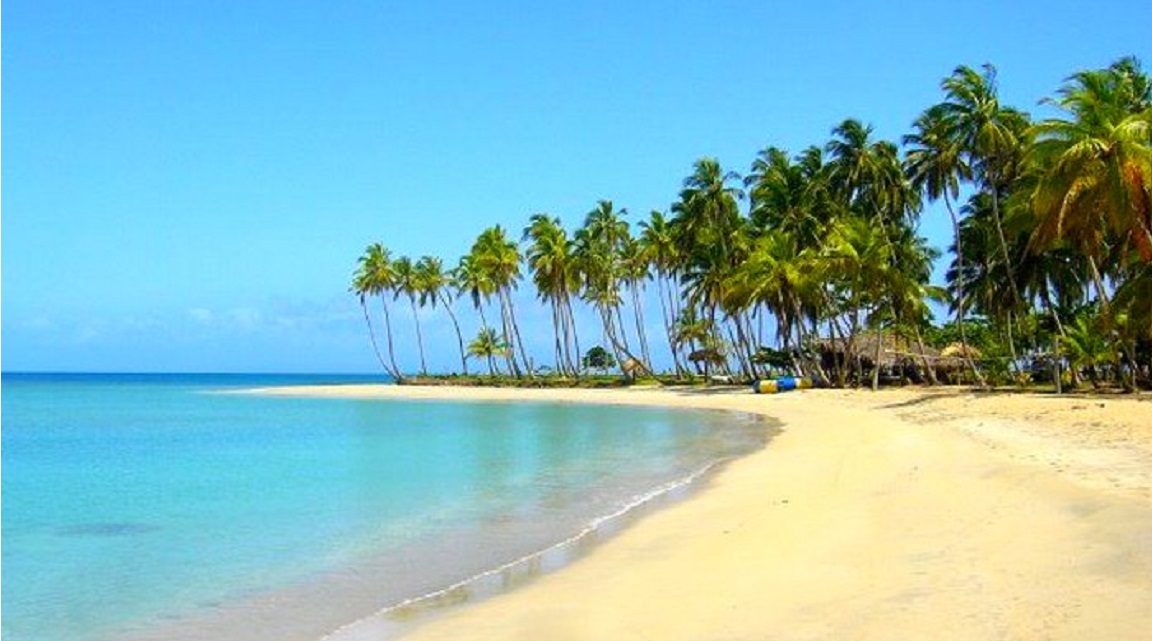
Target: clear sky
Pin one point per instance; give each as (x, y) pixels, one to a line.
(188, 183)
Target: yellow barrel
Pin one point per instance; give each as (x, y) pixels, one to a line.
(768, 386)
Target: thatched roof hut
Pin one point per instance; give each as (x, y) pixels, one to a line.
(894, 349)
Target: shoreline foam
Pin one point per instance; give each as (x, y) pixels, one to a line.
(900, 514)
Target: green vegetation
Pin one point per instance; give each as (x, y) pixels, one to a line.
(1049, 280)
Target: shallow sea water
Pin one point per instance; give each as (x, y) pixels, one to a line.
(155, 507)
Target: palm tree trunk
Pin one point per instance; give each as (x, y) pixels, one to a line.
(1010, 270)
(573, 357)
(559, 351)
(1129, 381)
(876, 359)
(459, 335)
(963, 299)
(929, 367)
(372, 335)
(1051, 309)
(419, 336)
(506, 327)
(641, 336)
(388, 333)
(667, 315)
(516, 333)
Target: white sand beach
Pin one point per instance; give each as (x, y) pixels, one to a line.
(916, 514)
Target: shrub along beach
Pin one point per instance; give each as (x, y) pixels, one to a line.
(812, 264)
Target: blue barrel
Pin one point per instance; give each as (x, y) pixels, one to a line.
(787, 383)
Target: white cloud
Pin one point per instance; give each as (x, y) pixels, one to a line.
(201, 315)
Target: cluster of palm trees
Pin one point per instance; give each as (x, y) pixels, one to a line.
(1051, 259)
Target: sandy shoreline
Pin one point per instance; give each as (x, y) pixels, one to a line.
(892, 515)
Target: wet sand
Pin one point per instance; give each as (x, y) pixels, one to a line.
(892, 515)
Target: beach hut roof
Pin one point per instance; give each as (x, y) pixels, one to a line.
(960, 350)
(892, 348)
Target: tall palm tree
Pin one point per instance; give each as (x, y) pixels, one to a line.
(498, 258)
(433, 283)
(362, 286)
(634, 272)
(935, 165)
(991, 138)
(554, 271)
(407, 285)
(857, 264)
(707, 226)
(659, 247)
(468, 278)
(598, 248)
(375, 276)
(984, 282)
(1094, 179)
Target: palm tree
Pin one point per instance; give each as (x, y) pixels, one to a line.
(991, 138)
(984, 282)
(634, 273)
(775, 275)
(488, 345)
(660, 250)
(362, 286)
(433, 283)
(857, 264)
(786, 195)
(554, 271)
(1094, 178)
(935, 166)
(376, 277)
(712, 235)
(1095, 164)
(498, 258)
(597, 252)
(408, 286)
(468, 278)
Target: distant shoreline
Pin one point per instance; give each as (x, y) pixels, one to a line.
(902, 513)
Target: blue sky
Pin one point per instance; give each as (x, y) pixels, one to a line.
(188, 183)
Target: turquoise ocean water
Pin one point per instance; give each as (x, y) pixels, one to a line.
(156, 507)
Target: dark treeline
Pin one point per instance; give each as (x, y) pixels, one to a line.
(1050, 273)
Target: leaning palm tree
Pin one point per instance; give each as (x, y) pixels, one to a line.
(408, 286)
(433, 283)
(362, 286)
(599, 250)
(991, 138)
(1094, 167)
(662, 254)
(553, 266)
(468, 278)
(498, 258)
(376, 277)
(634, 273)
